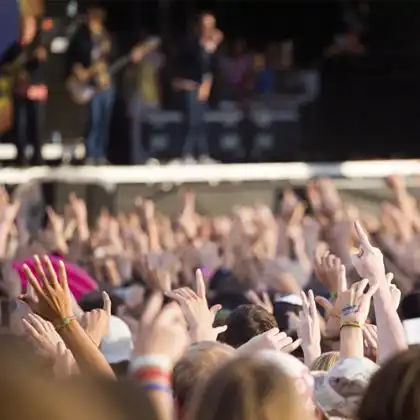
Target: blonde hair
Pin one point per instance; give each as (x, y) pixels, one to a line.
(326, 361)
(196, 366)
(247, 389)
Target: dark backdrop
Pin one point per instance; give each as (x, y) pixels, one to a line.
(367, 108)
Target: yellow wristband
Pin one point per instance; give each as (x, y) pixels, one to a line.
(350, 325)
(65, 322)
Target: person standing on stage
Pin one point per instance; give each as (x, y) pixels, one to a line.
(25, 62)
(143, 93)
(90, 47)
(195, 84)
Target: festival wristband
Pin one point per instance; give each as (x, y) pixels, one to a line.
(152, 373)
(347, 310)
(350, 325)
(153, 386)
(65, 322)
(156, 361)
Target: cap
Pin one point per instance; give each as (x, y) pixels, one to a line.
(117, 345)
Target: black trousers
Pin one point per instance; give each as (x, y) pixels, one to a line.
(27, 130)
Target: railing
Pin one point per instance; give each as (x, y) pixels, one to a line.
(110, 176)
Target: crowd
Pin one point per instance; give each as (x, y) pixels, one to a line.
(249, 315)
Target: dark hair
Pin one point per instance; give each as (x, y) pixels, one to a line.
(94, 300)
(280, 312)
(120, 369)
(410, 306)
(246, 322)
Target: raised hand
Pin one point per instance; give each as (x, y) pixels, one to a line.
(355, 303)
(96, 322)
(327, 269)
(65, 364)
(54, 299)
(309, 329)
(195, 308)
(369, 262)
(10, 212)
(270, 340)
(42, 334)
(264, 302)
(161, 331)
(78, 207)
(158, 278)
(394, 291)
(55, 220)
(333, 310)
(370, 341)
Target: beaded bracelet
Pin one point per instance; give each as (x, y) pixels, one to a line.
(65, 322)
(350, 325)
(155, 361)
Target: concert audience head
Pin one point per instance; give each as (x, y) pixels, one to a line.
(96, 17)
(248, 389)
(410, 306)
(295, 370)
(194, 369)
(94, 300)
(326, 361)
(394, 391)
(246, 322)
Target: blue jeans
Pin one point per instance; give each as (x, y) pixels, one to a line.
(137, 111)
(100, 113)
(195, 125)
(27, 127)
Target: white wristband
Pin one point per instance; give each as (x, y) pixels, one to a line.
(158, 361)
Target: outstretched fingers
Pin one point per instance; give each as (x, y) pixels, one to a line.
(362, 236)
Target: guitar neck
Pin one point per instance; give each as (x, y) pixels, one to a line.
(119, 65)
(122, 62)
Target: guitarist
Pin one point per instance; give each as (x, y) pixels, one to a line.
(90, 47)
(27, 61)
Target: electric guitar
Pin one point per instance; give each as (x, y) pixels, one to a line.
(79, 85)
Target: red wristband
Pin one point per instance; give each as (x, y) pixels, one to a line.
(152, 373)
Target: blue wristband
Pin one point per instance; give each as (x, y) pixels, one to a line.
(154, 386)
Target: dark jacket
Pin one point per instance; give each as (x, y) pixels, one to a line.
(36, 69)
(194, 61)
(80, 48)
